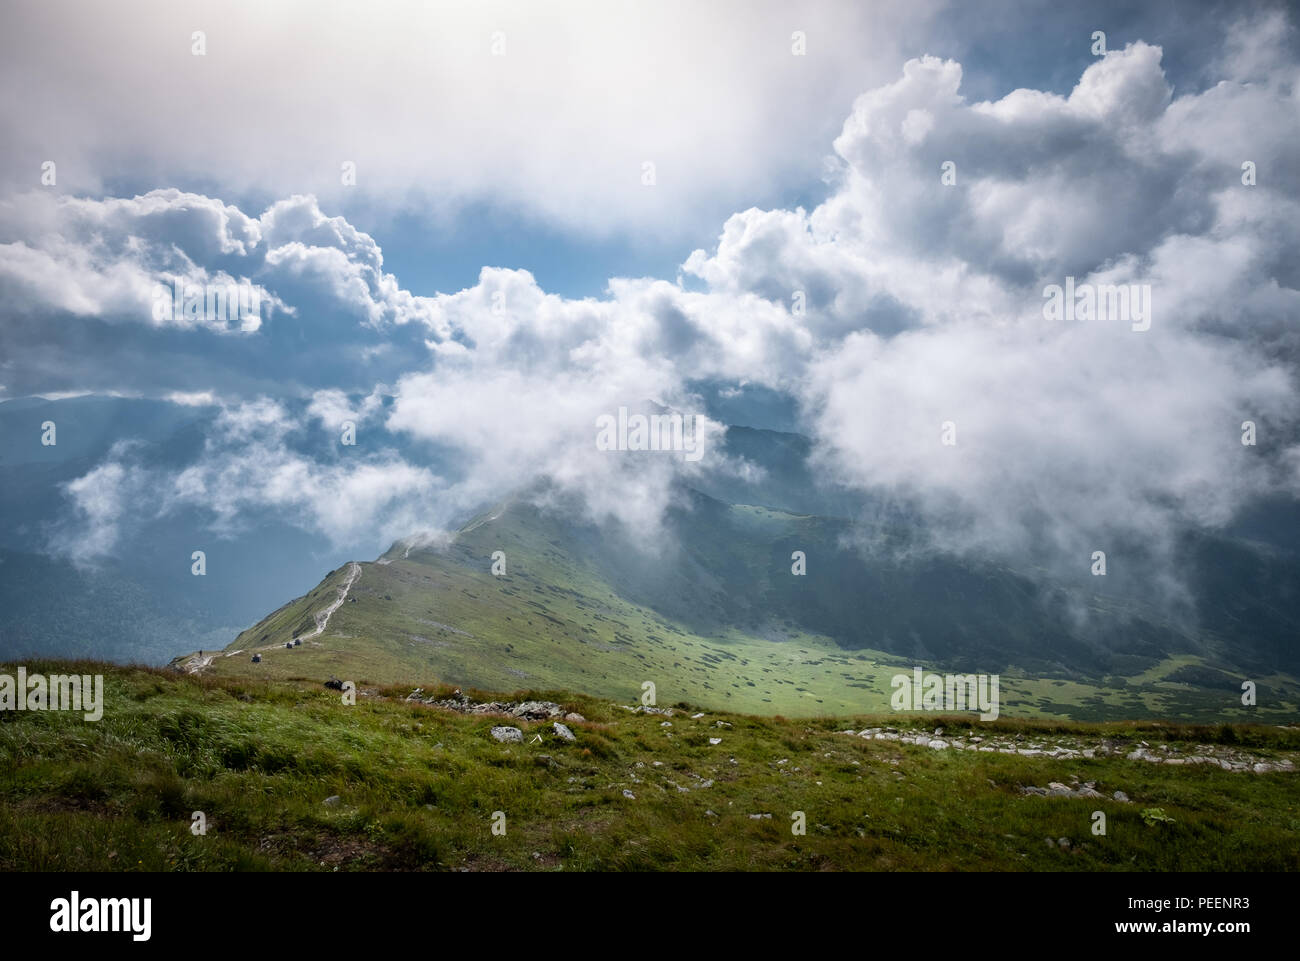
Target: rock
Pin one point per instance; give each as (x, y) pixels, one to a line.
(938, 731)
(1121, 797)
(715, 740)
(537, 710)
(562, 732)
(574, 718)
(696, 717)
(332, 800)
(629, 795)
(665, 723)
(1063, 842)
(938, 745)
(508, 735)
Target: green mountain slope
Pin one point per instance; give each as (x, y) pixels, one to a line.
(714, 616)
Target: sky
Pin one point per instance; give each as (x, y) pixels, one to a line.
(474, 228)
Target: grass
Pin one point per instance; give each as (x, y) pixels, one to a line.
(430, 616)
(417, 788)
(577, 612)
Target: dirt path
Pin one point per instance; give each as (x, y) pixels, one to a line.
(200, 661)
(323, 617)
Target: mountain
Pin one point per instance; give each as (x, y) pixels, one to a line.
(712, 614)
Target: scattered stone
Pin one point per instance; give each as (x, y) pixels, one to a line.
(537, 710)
(562, 732)
(1121, 797)
(715, 740)
(629, 795)
(938, 745)
(508, 735)
(573, 718)
(333, 800)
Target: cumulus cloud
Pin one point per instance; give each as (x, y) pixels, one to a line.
(899, 303)
(312, 306)
(249, 466)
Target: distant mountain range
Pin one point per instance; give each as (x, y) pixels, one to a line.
(710, 612)
(714, 615)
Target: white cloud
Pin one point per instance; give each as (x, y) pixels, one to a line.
(923, 305)
(411, 92)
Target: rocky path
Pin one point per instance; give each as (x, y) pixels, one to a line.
(199, 662)
(1066, 747)
(323, 616)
